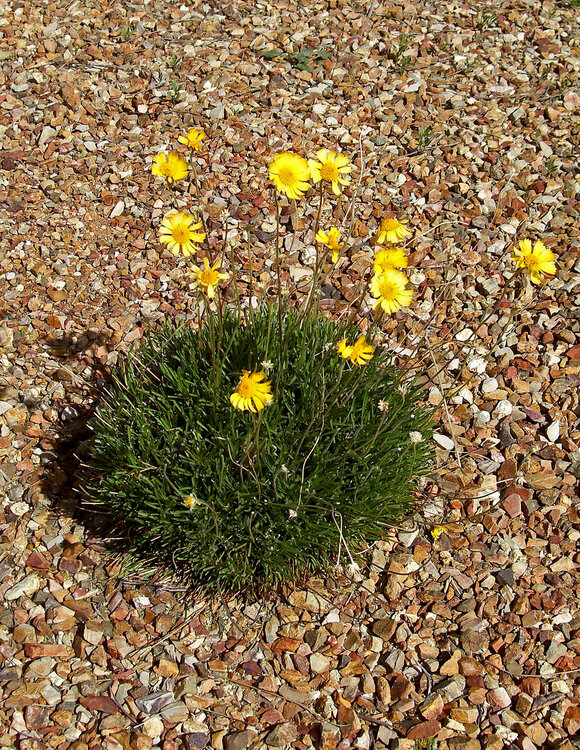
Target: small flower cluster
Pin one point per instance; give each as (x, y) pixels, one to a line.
(179, 230)
(291, 173)
(389, 283)
(292, 176)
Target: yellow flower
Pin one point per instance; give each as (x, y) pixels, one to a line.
(170, 166)
(208, 277)
(190, 501)
(389, 287)
(330, 167)
(537, 262)
(331, 240)
(178, 232)
(391, 231)
(359, 353)
(290, 174)
(390, 257)
(193, 139)
(436, 532)
(252, 393)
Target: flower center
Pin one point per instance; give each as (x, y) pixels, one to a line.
(532, 262)
(287, 176)
(209, 277)
(181, 234)
(329, 172)
(388, 225)
(388, 290)
(245, 388)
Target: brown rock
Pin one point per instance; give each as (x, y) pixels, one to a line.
(512, 505)
(423, 730)
(100, 703)
(524, 704)
(37, 560)
(464, 715)
(531, 686)
(282, 735)
(498, 699)
(285, 644)
(432, 706)
(572, 720)
(38, 650)
(469, 667)
(239, 740)
(451, 666)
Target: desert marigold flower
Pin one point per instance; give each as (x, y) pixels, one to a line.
(330, 167)
(171, 166)
(178, 231)
(436, 532)
(290, 174)
(389, 287)
(390, 257)
(253, 392)
(359, 353)
(331, 240)
(392, 230)
(537, 262)
(193, 139)
(208, 277)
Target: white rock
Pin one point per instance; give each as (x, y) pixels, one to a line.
(118, 210)
(444, 441)
(477, 364)
(489, 385)
(553, 431)
(28, 586)
(153, 727)
(503, 409)
(464, 335)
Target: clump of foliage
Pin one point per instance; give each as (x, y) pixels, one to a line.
(240, 499)
(306, 59)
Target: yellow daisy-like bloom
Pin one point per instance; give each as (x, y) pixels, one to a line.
(193, 139)
(359, 353)
(253, 392)
(436, 532)
(208, 277)
(171, 166)
(537, 262)
(389, 287)
(178, 232)
(290, 174)
(330, 167)
(331, 240)
(391, 231)
(390, 257)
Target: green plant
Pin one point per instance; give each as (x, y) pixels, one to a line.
(175, 63)
(127, 32)
(425, 136)
(552, 166)
(398, 52)
(425, 744)
(487, 19)
(237, 500)
(469, 66)
(306, 59)
(174, 92)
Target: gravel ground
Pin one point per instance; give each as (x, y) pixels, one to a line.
(463, 119)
